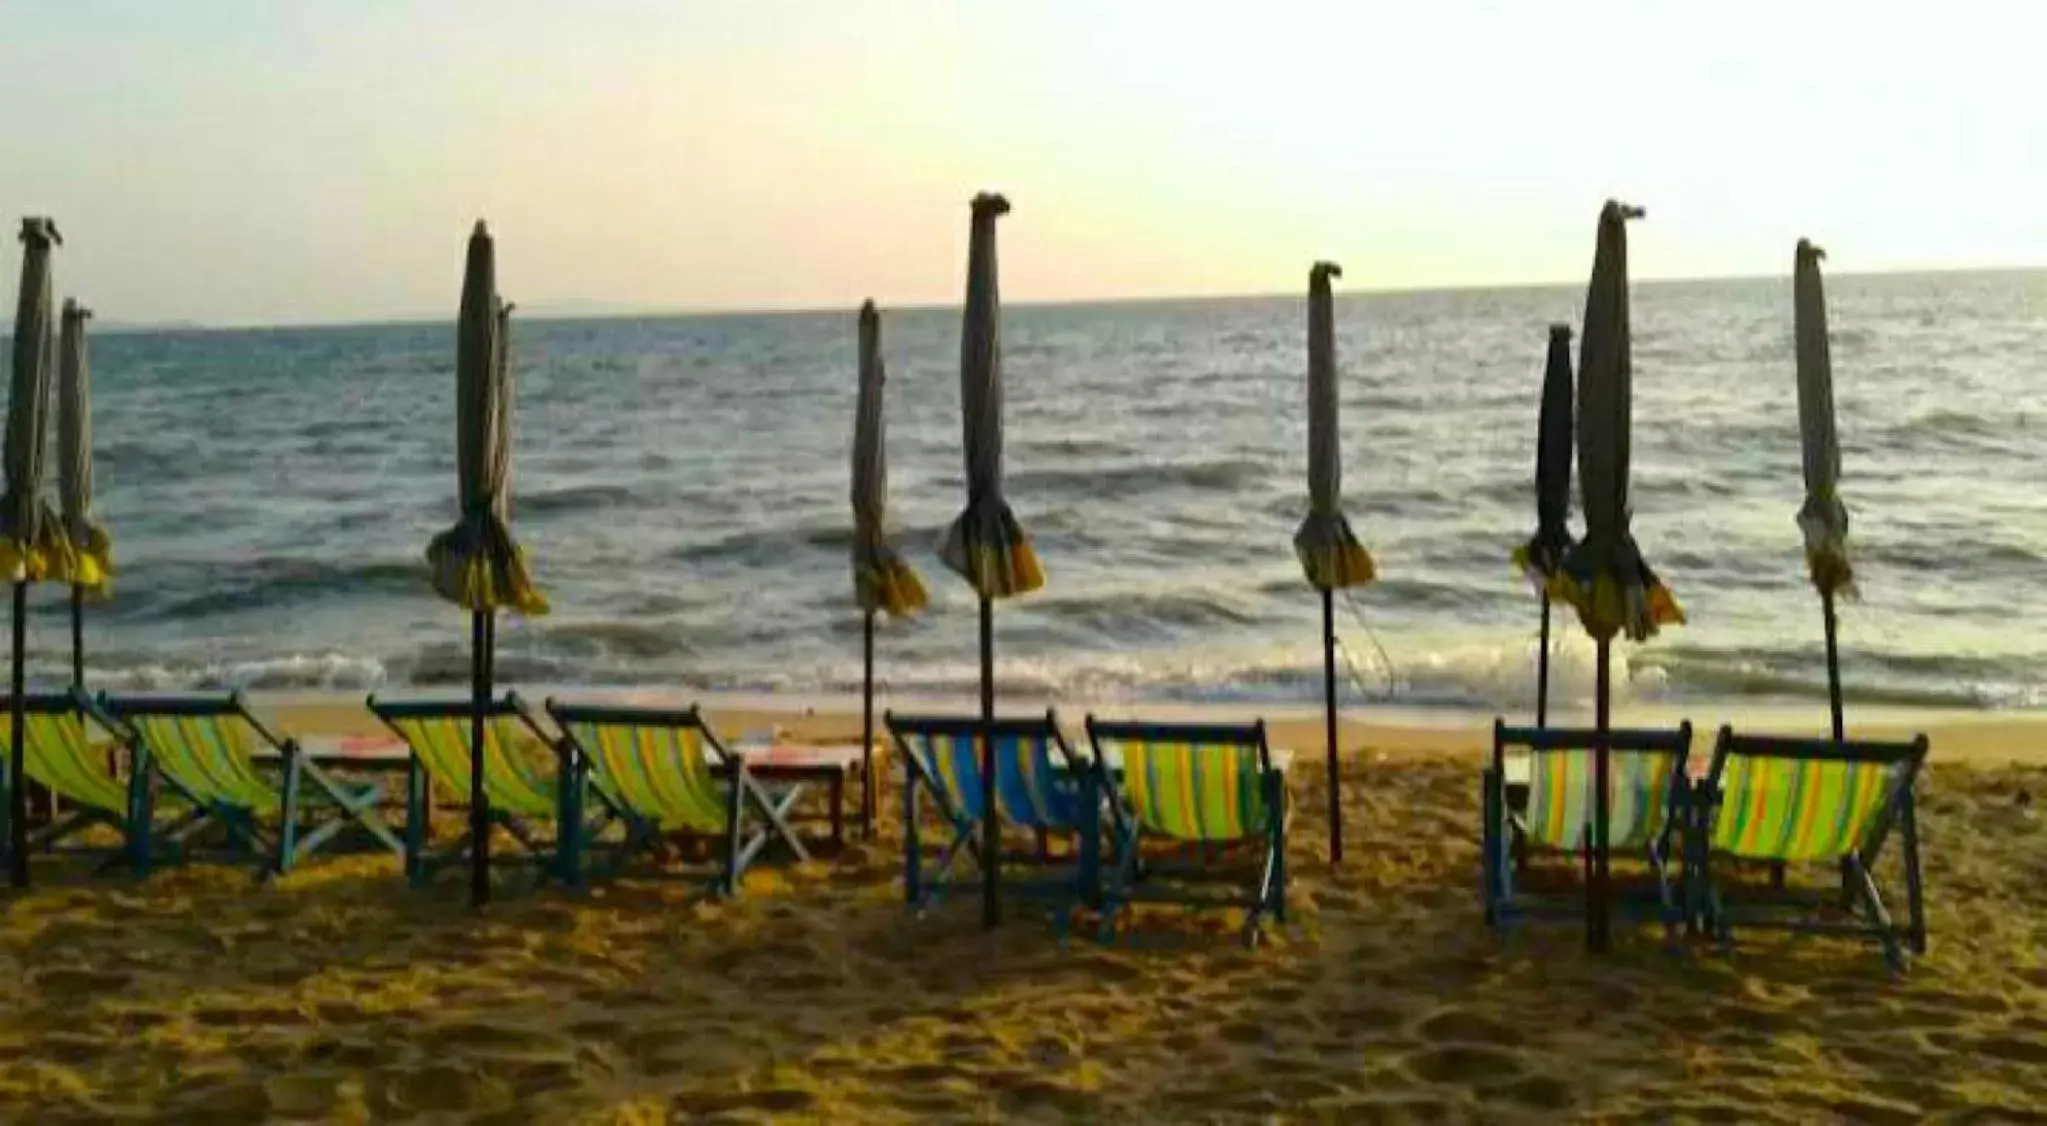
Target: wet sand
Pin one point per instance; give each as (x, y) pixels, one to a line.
(340, 995)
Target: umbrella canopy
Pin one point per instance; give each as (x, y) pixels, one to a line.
(1329, 552)
(1823, 518)
(881, 580)
(32, 545)
(92, 564)
(1540, 557)
(1605, 576)
(986, 545)
(475, 564)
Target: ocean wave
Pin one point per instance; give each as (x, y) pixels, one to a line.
(1222, 475)
(154, 590)
(578, 498)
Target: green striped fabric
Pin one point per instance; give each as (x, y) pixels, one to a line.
(208, 755)
(1798, 809)
(1196, 791)
(509, 781)
(1560, 798)
(661, 773)
(59, 756)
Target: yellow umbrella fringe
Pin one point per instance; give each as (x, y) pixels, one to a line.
(48, 559)
(1607, 607)
(887, 584)
(1330, 554)
(1830, 571)
(988, 548)
(482, 583)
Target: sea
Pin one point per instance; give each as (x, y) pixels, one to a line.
(681, 487)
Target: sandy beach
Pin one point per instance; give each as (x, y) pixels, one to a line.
(340, 995)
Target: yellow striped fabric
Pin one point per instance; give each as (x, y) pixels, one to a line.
(511, 784)
(59, 756)
(208, 755)
(661, 773)
(1561, 792)
(1195, 792)
(1794, 809)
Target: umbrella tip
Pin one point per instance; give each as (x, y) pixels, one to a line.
(1621, 211)
(867, 309)
(990, 203)
(1807, 250)
(1325, 270)
(74, 311)
(481, 230)
(1560, 332)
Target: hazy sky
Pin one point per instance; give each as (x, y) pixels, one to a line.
(258, 161)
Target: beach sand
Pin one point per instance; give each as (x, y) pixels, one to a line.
(340, 995)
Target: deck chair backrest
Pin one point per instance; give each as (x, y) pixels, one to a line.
(438, 731)
(61, 753)
(1034, 768)
(1191, 782)
(203, 745)
(656, 763)
(1644, 767)
(1807, 799)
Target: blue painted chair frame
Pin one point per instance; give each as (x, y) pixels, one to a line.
(1857, 894)
(142, 836)
(737, 851)
(313, 807)
(576, 823)
(1068, 801)
(1138, 878)
(1503, 840)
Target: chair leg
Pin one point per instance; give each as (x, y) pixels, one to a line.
(288, 814)
(1878, 919)
(1491, 855)
(912, 866)
(416, 800)
(735, 809)
(1915, 903)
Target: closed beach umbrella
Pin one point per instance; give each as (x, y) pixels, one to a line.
(31, 543)
(1544, 552)
(1605, 576)
(91, 550)
(1823, 518)
(986, 545)
(475, 564)
(1329, 552)
(882, 582)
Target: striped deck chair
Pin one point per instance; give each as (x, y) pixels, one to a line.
(221, 756)
(91, 762)
(666, 772)
(1648, 789)
(1210, 786)
(1040, 786)
(528, 778)
(1793, 802)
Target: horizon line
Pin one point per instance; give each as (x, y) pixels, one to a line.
(606, 310)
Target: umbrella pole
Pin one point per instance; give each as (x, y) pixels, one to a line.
(479, 810)
(17, 783)
(1329, 725)
(78, 637)
(867, 729)
(991, 832)
(1833, 665)
(1542, 670)
(1596, 923)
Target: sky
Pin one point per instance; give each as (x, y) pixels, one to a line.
(249, 162)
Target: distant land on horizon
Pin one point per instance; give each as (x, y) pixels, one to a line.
(574, 309)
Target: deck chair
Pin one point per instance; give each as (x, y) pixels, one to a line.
(1648, 791)
(77, 752)
(1040, 786)
(528, 779)
(1802, 802)
(218, 754)
(665, 772)
(1208, 786)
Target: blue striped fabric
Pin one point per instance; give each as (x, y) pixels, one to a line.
(1029, 788)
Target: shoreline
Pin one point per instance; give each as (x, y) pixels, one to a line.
(1956, 735)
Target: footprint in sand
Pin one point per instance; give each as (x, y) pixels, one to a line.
(1461, 1026)
(444, 1089)
(1464, 1065)
(75, 985)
